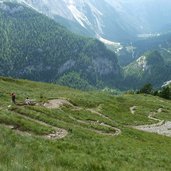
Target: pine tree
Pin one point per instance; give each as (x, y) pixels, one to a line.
(165, 93)
(147, 89)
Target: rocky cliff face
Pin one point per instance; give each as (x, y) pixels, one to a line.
(147, 16)
(110, 19)
(97, 18)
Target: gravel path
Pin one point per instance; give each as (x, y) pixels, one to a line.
(162, 127)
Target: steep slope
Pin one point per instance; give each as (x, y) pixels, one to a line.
(133, 50)
(88, 17)
(114, 20)
(91, 120)
(35, 47)
(147, 16)
(149, 68)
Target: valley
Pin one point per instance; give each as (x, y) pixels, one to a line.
(29, 51)
(85, 85)
(37, 48)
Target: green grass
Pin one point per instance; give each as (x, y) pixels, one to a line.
(82, 149)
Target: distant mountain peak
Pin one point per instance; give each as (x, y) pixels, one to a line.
(116, 20)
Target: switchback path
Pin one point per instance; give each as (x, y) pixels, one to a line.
(58, 133)
(56, 103)
(161, 127)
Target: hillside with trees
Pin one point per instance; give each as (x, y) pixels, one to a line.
(149, 68)
(35, 47)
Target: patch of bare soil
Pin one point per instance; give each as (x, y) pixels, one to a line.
(133, 109)
(57, 134)
(57, 103)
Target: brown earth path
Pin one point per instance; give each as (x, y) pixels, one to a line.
(161, 127)
(56, 103)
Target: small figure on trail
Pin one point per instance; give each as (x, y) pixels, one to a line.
(27, 101)
(13, 96)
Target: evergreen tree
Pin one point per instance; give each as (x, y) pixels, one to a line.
(147, 89)
(165, 93)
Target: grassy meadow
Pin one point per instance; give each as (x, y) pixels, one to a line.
(24, 147)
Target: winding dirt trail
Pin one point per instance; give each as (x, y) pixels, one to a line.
(113, 132)
(57, 103)
(58, 133)
(162, 127)
(117, 130)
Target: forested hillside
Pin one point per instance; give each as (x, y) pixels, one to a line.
(35, 47)
(132, 51)
(149, 68)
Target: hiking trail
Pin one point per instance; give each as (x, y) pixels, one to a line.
(60, 133)
(161, 127)
(57, 103)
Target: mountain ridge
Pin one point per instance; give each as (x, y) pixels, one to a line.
(149, 68)
(36, 47)
(96, 16)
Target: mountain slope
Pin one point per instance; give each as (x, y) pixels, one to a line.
(128, 52)
(149, 68)
(147, 16)
(117, 20)
(35, 47)
(89, 17)
(88, 144)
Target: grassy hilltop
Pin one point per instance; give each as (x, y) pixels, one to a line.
(98, 125)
